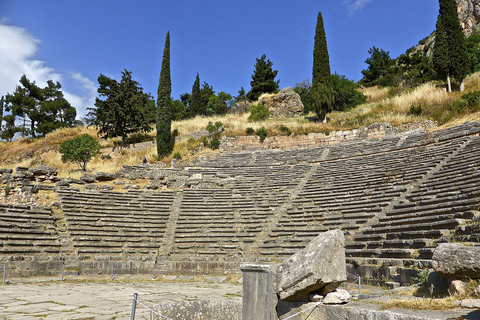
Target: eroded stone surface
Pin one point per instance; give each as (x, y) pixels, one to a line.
(455, 260)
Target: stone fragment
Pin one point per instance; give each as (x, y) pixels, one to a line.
(320, 264)
(315, 297)
(42, 170)
(457, 287)
(439, 284)
(103, 176)
(455, 260)
(8, 171)
(470, 303)
(339, 296)
(88, 178)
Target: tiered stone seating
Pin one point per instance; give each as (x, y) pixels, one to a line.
(434, 208)
(346, 194)
(116, 223)
(225, 222)
(27, 231)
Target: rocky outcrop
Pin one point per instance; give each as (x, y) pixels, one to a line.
(320, 266)
(286, 103)
(469, 15)
(455, 260)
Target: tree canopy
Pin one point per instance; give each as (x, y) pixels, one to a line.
(122, 107)
(32, 110)
(263, 79)
(379, 68)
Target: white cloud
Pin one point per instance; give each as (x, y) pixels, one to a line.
(17, 52)
(354, 5)
(88, 91)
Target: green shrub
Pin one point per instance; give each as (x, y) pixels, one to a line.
(416, 110)
(80, 150)
(8, 189)
(285, 129)
(458, 106)
(213, 127)
(249, 131)
(177, 156)
(472, 98)
(258, 112)
(262, 133)
(214, 143)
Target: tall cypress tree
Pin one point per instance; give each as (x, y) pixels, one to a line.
(450, 55)
(196, 98)
(321, 93)
(164, 103)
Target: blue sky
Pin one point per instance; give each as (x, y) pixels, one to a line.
(74, 41)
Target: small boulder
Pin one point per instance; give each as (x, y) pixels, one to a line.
(470, 303)
(88, 178)
(320, 265)
(8, 171)
(457, 287)
(339, 296)
(286, 103)
(103, 176)
(42, 170)
(455, 260)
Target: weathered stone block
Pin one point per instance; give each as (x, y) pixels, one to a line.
(319, 266)
(455, 260)
(259, 299)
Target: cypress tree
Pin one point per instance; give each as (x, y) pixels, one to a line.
(321, 94)
(450, 55)
(164, 103)
(196, 98)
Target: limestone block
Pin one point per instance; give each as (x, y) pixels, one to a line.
(319, 266)
(339, 296)
(470, 303)
(455, 260)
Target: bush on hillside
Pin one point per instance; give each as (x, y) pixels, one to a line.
(80, 150)
(262, 133)
(258, 112)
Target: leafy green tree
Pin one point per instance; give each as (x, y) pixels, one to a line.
(379, 68)
(206, 93)
(164, 103)
(473, 49)
(322, 96)
(450, 55)
(218, 104)
(125, 108)
(263, 79)
(38, 110)
(179, 110)
(241, 95)
(79, 150)
(346, 94)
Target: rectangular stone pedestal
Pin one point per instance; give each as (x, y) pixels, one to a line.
(259, 287)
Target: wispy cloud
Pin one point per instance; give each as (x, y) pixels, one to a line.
(17, 57)
(355, 5)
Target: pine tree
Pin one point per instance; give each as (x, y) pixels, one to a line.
(450, 55)
(321, 94)
(263, 79)
(124, 108)
(164, 103)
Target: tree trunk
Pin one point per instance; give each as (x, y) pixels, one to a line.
(462, 86)
(449, 83)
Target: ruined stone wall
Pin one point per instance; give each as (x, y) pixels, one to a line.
(375, 131)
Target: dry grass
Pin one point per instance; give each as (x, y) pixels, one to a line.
(375, 94)
(422, 303)
(424, 95)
